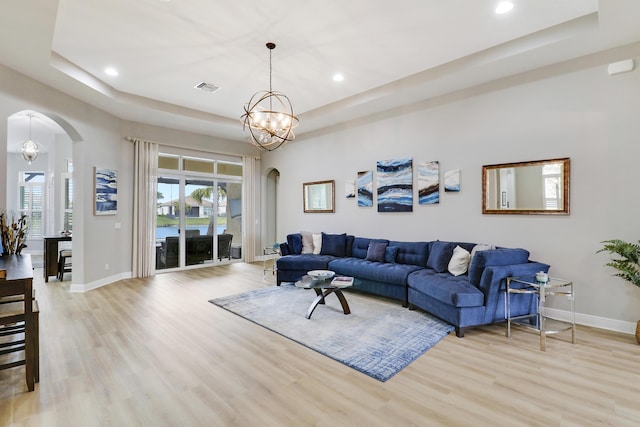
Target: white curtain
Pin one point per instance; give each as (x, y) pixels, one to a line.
(249, 208)
(145, 193)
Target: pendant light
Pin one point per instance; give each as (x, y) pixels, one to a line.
(30, 149)
(268, 116)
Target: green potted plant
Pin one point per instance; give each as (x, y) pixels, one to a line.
(626, 263)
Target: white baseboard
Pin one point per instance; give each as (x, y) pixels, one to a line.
(79, 287)
(593, 321)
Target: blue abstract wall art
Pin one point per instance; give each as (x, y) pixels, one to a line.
(350, 189)
(106, 186)
(395, 185)
(452, 180)
(365, 188)
(429, 183)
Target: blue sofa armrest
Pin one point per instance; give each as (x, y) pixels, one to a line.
(493, 283)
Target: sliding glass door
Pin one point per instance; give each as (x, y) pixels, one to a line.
(168, 223)
(200, 221)
(199, 215)
(230, 214)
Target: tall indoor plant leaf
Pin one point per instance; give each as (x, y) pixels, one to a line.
(626, 264)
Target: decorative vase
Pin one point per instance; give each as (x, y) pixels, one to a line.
(13, 233)
(638, 332)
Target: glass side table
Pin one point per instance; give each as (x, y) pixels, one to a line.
(538, 321)
(270, 255)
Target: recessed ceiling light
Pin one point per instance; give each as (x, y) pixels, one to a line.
(111, 71)
(338, 77)
(504, 7)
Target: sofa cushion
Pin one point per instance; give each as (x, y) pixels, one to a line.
(459, 263)
(466, 246)
(439, 256)
(392, 274)
(480, 247)
(361, 246)
(294, 241)
(415, 253)
(334, 244)
(494, 257)
(304, 262)
(317, 243)
(451, 290)
(391, 253)
(348, 245)
(376, 251)
(307, 242)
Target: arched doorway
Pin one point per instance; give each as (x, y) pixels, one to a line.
(42, 188)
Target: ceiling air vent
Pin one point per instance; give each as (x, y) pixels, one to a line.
(207, 87)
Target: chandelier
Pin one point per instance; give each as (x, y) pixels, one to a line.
(30, 148)
(268, 116)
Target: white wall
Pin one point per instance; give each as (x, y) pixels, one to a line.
(97, 241)
(585, 115)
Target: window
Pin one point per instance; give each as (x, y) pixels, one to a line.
(198, 165)
(67, 202)
(552, 182)
(167, 161)
(199, 210)
(232, 169)
(31, 201)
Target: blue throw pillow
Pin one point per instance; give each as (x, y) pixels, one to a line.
(439, 256)
(348, 245)
(376, 251)
(284, 249)
(333, 244)
(391, 253)
(295, 243)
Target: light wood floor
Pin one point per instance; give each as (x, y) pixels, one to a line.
(155, 352)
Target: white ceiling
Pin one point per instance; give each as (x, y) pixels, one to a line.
(391, 52)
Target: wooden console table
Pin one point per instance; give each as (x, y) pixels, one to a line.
(51, 254)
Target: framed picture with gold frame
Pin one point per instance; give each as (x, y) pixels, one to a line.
(318, 197)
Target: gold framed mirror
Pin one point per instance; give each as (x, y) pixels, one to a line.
(318, 197)
(538, 187)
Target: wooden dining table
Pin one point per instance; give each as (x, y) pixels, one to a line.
(19, 281)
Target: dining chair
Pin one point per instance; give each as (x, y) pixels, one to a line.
(224, 246)
(13, 333)
(64, 263)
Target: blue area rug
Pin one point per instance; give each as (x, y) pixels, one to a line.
(379, 338)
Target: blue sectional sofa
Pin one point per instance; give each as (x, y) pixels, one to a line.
(419, 274)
